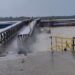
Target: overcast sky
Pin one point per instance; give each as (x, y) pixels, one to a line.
(37, 7)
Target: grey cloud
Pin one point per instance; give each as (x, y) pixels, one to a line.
(36, 7)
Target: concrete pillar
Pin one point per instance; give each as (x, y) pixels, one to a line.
(4, 36)
(8, 35)
(0, 38)
(73, 43)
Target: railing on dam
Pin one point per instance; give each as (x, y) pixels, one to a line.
(7, 33)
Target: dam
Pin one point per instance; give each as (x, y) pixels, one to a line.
(38, 43)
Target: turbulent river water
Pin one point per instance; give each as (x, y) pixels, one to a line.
(39, 41)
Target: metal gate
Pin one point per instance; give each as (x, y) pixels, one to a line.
(61, 43)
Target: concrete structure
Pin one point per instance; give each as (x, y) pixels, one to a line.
(8, 32)
(28, 29)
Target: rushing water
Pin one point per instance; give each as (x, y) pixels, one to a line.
(39, 41)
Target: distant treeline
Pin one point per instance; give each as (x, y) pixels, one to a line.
(46, 17)
(13, 18)
(58, 17)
